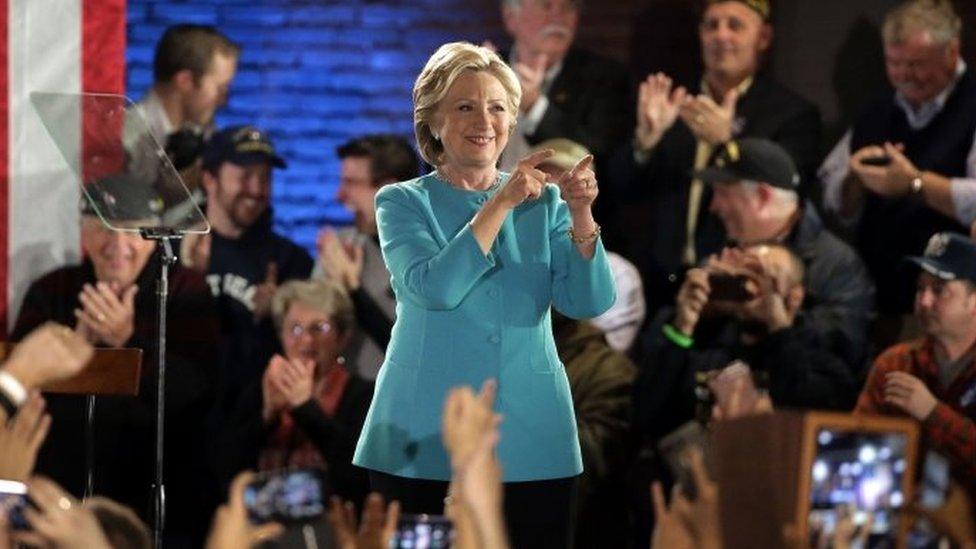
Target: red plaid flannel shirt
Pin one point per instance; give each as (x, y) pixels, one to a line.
(951, 427)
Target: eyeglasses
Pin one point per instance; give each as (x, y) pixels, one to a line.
(321, 327)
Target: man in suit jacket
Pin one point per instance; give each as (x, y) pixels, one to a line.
(566, 91)
(668, 226)
(353, 257)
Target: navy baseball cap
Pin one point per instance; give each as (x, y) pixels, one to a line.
(241, 145)
(752, 159)
(948, 256)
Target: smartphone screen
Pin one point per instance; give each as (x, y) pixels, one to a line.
(286, 496)
(862, 472)
(423, 532)
(13, 500)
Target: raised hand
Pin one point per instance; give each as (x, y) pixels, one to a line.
(107, 314)
(59, 520)
(531, 76)
(231, 528)
(526, 181)
(578, 186)
(49, 353)
(657, 109)
(21, 437)
(264, 292)
(691, 301)
(376, 529)
(341, 261)
(709, 121)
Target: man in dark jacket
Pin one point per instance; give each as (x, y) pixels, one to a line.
(668, 226)
(764, 327)
(111, 300)
(243, 258)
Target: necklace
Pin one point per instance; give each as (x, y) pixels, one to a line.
(439, 174)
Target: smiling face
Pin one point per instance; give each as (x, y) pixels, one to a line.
(117, 256)
(473, 121)
(238, 195)
(733, 37)
(919, 68)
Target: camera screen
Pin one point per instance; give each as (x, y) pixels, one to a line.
(857, 473)
(424, 532)
(289, 496)
(13, 499)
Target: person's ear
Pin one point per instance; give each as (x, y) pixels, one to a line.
(209, 182)
(183, 81)
(794, 298)
(765, 37)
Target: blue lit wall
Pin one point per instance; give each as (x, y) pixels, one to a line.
(315, 74)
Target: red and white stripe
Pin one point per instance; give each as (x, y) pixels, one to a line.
(53, 46)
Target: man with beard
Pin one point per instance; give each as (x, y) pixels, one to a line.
(668, 226)
(907, 167)
(352, 257)
(243, 258)
(933, 378)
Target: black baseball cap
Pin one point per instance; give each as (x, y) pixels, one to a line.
(241, 145)
(948, 256)
(122, 197)
(751, 159)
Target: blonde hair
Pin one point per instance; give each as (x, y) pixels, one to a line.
(937, 17)
(444, 67)
(323, 294)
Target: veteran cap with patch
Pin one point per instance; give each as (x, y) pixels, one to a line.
(751, 159)
(241, 145)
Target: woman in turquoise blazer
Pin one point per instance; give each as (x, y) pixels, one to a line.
(477, 258)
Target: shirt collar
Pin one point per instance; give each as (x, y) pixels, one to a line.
(920, 117)
(741, 89)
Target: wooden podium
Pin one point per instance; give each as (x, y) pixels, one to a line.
(765, 467)
(109, 372)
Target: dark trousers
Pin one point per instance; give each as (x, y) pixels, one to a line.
(539, 514)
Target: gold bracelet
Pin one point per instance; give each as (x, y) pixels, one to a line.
(581, 239)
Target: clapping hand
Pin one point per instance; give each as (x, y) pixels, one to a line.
(107, 313)
(709, 121)
(657, 109)
(341, 261)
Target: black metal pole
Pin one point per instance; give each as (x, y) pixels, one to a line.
(167, 259)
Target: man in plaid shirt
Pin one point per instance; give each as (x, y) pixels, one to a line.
(933, 379)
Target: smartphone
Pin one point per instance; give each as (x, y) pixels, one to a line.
(423, 532)
(876, 161)
(674, 449)
(287, 496)
(862, 471)
(13, 501)
(728, 287)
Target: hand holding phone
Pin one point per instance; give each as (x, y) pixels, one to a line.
(880, 161)
(730, 287)
(287, 496)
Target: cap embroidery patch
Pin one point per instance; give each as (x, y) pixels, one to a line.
(937, 245)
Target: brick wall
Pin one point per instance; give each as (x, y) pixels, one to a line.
(315, 74)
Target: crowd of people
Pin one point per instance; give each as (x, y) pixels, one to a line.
(599, 259)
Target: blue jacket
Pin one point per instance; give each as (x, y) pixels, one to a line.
(464, 316)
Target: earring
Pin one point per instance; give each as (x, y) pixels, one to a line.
(436, 137)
